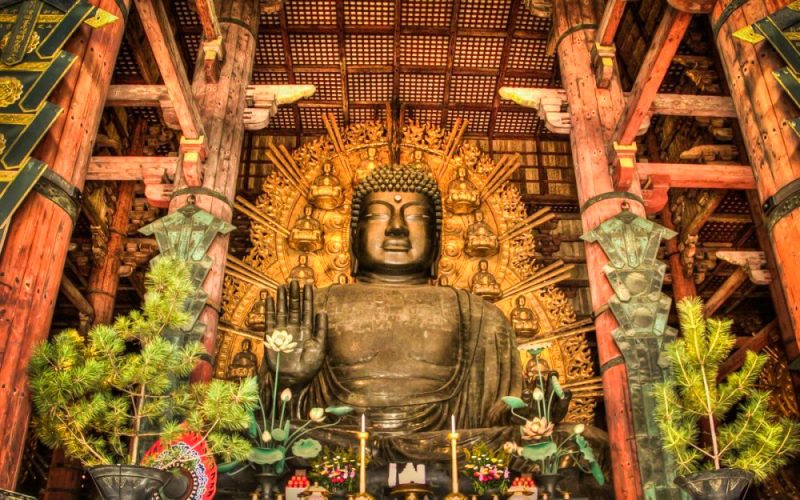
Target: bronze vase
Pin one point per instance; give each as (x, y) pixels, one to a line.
(547, 484)
(723, 484)
(268, 484)
(129, 482)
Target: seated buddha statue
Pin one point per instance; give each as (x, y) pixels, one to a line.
(484, 283)
(306, 235)
(480, 240)
(368, 164)
(391, 345)
(462, 196)
(302, 272)
(256, 317)
(244, 364)
(326, 191)
(524, 320)
(417, 159)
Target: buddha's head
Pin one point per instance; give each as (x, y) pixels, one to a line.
(395, 226)
(246, 345)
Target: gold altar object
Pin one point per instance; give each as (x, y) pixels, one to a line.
(292, 200)
(412, 491)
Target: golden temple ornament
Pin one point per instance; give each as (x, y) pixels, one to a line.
(484, 219)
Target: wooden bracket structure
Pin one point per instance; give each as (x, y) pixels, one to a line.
(213, 53)
(157, 173)
(753, 262)
(193, 153)
(603, 57)
(623, 165)
(750, 266)
(658, 178)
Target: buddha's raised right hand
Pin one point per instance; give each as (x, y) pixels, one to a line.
(295, 314)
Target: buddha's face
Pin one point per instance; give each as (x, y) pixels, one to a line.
(395, 234)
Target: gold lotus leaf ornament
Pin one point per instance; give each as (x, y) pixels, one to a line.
(10, 90)
(2, 143)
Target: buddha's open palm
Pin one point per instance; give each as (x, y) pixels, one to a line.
(294, 313)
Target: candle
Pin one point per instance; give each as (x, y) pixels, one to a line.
(362, 480)
(454, 464)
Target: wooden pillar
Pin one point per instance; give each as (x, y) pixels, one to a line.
(33, 259)
(222, 106)
(764, 111)
(594, 114)
(682, 285)
(64, 476)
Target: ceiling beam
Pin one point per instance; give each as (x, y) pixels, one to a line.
(501, 74)
(662, 104)
(612, 15)
(212, 38)
(160, 34)
(690, 175)
(130, 168)
(451, 55)
(756, 343)
(656, 62)
(340, 35)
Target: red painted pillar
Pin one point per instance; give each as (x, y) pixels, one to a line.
(222, 105)
(36, 247)
(594, 113)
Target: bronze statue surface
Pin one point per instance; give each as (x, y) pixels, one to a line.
(404, 352)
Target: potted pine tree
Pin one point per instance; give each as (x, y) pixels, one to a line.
(104, 397)
(748, 440)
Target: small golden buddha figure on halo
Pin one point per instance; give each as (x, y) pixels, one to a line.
(326, 191)
(462, 196)
(524, 321)
(484, 283)
(480, 240)
(306, 235)
(302, 272)
(244, 363)
(367, 165)
(257, 317)
(417, 159)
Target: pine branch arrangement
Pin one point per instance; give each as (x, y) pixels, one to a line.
(99, 397)
(745, 432)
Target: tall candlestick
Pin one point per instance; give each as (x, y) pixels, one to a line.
(362, 479)
(454, 494)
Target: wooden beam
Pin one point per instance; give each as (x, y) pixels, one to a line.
(688, 175)
(724, 292)
(133, 96)
(607, 28)
(501, 74)
(160, 34)
(130, 168)
(75, 297)
(756, 343)
(451, 54)
(663, 104)
(665, 43)
(709, 106)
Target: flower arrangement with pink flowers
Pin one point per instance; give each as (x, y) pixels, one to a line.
(487, 469)
(336, 470)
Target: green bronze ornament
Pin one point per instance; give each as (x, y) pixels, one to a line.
(641, 309)
(188, 234)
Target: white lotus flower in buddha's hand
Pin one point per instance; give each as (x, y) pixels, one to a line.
(537, 428)
(280, 341)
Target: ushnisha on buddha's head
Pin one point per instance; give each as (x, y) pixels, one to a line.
(395, 226)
